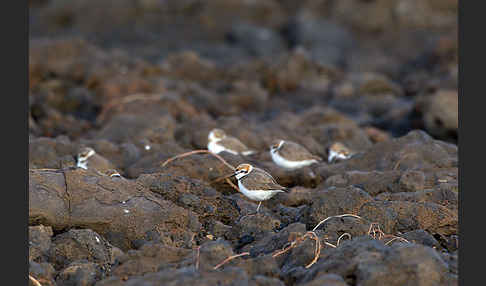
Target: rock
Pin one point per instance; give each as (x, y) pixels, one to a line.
(336, 201)
(52, 153)
(261, 280)
(403, 216)
(257, 41)
(369, 262)
(327, 42)
(83, 244)
(80, 273)
(440, 196)
(297, 196)
(376, 135)
(189, 65)
(257, 225)
(374, 182)
(422, 237)
(327, 279)
(261, 268)
(375, 84)
(151, 257)
(42, 272)
(338, 229)
(150, 161)
(272, 242)
(210, 205)
(227, 276)
(130, 127)
(214, 252)
(412, 181)
(120, 210)
(39, 242)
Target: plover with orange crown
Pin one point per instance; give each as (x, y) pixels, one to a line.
(291, 155)
(256, 184)
(87, 158)
(337, 151)
(219, 141)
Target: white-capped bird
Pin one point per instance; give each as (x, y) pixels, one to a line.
(291, 155)
(219, 141)
(256, 184)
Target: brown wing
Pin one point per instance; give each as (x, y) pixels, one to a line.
(295, 152)
(261, 180)
(233, 144)
(99, 163)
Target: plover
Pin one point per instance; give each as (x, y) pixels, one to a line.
(87, 158)
(82, 157)
(218, 142)
(112, 173)
(256, 184)
(291, 155)
(337, 151)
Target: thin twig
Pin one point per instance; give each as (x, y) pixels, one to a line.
(317, 251)
(329, 244)
(340, 237)
(230, 258)
(197, 152)
(336, 216)
(292, 245)
(395, 238)
(310, 234)
(375, 229)
(34, 281)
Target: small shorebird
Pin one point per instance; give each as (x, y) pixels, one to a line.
(112, 173)
(337, 151)
(88, 158)
(218, 142)
(256, 184)
(291, 155)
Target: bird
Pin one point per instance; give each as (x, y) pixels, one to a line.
(112, 173)
(219, 141)
(87, 158)
(291, 155)
(337, 151)
(256, 184)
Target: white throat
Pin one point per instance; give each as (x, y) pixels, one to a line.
(83, 164)
(336, 155)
